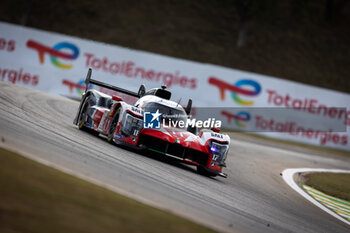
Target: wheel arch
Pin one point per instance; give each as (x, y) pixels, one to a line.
(82, 101)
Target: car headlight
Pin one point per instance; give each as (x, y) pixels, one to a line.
(131, 125)
(219, 151)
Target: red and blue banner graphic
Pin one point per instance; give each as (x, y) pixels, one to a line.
(55, 52)
(239, 118)
(79, 86)
(237, 89)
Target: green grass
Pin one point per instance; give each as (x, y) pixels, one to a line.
(37, 198)
(334, 184)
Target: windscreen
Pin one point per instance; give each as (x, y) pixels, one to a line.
(168, 113)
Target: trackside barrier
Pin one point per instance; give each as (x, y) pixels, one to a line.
(57, 64)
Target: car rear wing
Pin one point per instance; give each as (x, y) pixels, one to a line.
(139, 94)
(88, 80)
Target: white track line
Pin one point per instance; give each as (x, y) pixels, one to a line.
(288, 178)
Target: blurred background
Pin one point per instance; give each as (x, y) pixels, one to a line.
(301, 40)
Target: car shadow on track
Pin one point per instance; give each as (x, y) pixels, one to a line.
(160, 157)
(151, 155)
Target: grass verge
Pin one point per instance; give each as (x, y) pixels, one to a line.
(37, 198)
(333, 184)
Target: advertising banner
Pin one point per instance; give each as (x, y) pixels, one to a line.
(245, 101)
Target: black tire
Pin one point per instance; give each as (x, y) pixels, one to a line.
(82, 115)
(113, 127)
(202, 171)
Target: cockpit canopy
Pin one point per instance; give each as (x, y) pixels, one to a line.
(168, 113)
(160, 92)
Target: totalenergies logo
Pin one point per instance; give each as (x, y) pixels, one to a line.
(55, 52)
(79, 86)
(239, 118)
(237, 90)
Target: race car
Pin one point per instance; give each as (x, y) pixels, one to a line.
(153, 124)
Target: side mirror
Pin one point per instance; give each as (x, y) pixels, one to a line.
(87, 79)
(216, 130)
(142, 91)
(189, 106)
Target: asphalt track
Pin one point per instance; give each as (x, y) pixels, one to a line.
(254, 197)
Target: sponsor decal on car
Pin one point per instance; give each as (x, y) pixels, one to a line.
(118, 136)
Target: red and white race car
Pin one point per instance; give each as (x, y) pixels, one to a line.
(152, 123)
